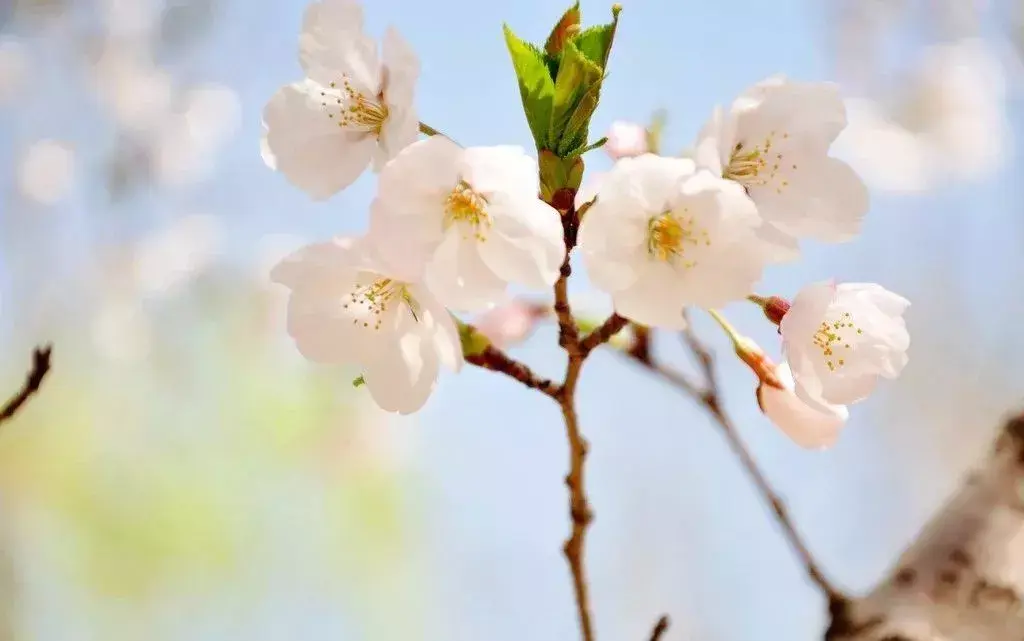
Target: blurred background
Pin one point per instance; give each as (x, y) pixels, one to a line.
(185, 475)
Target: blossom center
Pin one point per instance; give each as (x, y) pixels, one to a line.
(377, 298)
(354, 110)
(466, 206)
(833, 340)
(669, 235)
(760, 165)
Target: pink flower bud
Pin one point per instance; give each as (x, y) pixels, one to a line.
(510, 324)
(626, 140)
(758, 362)
(808, 423)
(775, 308)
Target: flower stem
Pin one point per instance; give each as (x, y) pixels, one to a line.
(708, 395)
(735, 336)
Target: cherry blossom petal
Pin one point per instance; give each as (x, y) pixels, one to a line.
(809, 424)
(460, 278)
(524, 244)
(309, 148)
(501, 168)
(333, 47)
(403, 376)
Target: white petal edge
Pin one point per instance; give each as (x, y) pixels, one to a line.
(312, 152)
(812, 426)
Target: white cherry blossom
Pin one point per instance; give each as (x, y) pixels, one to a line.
(473, 216)
(351, 109)
(348, 306)
(626, 140)
(838, 339)
(808, 423)
(775, 141)
(661, 236)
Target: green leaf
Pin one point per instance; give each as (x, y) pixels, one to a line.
(576, 90)
(566, 28)
(601, 142)
(535, 85)
(580, 120)
(596, 42)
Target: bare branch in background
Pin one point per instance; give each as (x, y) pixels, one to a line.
(957, 580)
(708, 395)
(34, 378)
(659, 628)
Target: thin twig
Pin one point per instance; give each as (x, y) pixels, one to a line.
(569, 339)
(705, 358)
(496, 360)
(568, 332)
(640, 353)
(659, 628)
(708, 395)
(774, 500)
(34, 378)
(579, 506)
(610, 327)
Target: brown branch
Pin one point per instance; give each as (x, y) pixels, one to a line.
(709, 397)
(568, 332)
(957, 581)
(568, 338)
(610, 327)
(579, 506)
(34, 378)
(496, 360)
(641, 347)
(659, 628)
(712, 404)
(704, 357)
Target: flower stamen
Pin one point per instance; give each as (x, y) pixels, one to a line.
(353, 109)
(830, 338)
(758, 167)
(464, 205)
(668, 235)
(378, 296)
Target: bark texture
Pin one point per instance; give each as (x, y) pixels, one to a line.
(963, 577)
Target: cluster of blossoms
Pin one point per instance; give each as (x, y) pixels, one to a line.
(451, 228)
